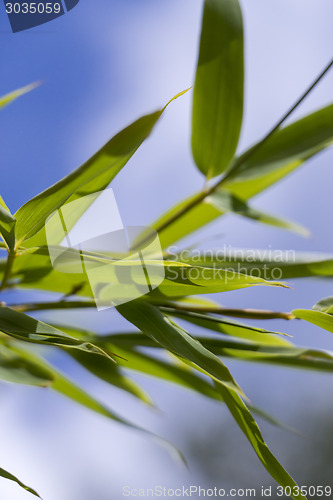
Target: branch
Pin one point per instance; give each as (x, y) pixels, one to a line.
(226, 311)
(193, 202)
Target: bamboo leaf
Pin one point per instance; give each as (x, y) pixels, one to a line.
(225, 202)
(106, 370)
(93, 176)
(324, 305)
(8, 475)
(318, 318)
(286, 150)
(67, 388)
(250, 429)
(7, 225)
(267, 264)
(153, 323)
(12, 96)
(218, 90)
(27, 329)
(15, 369)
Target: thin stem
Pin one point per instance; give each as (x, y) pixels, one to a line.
(43, 306)
(236, 313)
(194, 201)
(9, 265)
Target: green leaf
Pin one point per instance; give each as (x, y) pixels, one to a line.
(324, 305)
(27, 329)
(193, 280)
(153, 323)
(7, 225)
(224, 201)
(267, 264)
(318, 318)
(14, 368)
(286, 150)
(67, 388)
(12, 96)
(231, 328)
(7, 475)
(108, 371)
(93, 176)
(250, 429)
(218, 90)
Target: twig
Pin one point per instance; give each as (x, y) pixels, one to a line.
(196, 199)
(226, 311)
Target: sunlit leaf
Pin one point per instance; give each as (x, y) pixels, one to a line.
(286, 150)
(93, 176)
(318, 318)
(218, 90)
(153, 323)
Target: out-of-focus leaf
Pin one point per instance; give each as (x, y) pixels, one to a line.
(108, 371)
(324, 305)
(93, 176)
(318, 318)
(8, 98)
(153, 323)
(218, 89)
(225, 202)
(14, 368)
(27, 329)
(267, 264)
(8, 475)
(286, 150)
(7, 225)
(231, 328)
(194, 280)
(67, 388)
(250, 429)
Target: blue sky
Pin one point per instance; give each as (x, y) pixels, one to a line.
(102, 65)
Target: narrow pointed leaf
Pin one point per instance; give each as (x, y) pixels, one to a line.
(69, 389)
(16, 369)
(318, 318)
(287, 150)
(8, 475)
(108, 371)
(218, 90)
(12, 96)
(153, 323)
(7, 225)
(93, 176)
(27, 329)
(250, 429)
